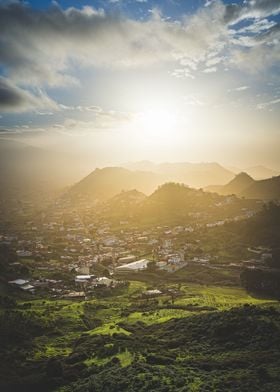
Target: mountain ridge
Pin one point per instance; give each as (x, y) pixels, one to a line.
(244, 185)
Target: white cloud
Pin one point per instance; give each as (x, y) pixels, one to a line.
(257, 58)
(40, 47)
(208, 3)
(214, 61)
(264, 105)
(43, 48)
(210, 70)
(15, 99)
(258, 26)
(240, 88)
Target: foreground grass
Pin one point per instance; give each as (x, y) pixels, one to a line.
(67, 315)
(120, 332)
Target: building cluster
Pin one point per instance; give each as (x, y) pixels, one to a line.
(63, 251)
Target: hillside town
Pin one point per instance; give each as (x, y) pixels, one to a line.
(66, 253)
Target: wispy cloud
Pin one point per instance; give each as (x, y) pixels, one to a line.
(13, 98)
(268, 104)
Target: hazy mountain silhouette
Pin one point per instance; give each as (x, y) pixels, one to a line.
(258, 172)
(105, 183)
(261, 172)
(268, 189)
(240, 182)
(244, 185)
(196, 175)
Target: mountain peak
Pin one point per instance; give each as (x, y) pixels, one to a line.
(240, 182)
(243, 176)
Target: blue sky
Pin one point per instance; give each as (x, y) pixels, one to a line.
(167, 77)
(133, 7)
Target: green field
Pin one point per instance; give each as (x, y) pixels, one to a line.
(129, 331)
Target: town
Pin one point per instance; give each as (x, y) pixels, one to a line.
(79, 253)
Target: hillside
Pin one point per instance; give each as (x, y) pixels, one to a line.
(174, 202)
(240, 182)
(268, 189)
(124, 204)
(245, 186)
(209, 339)
(102, 184)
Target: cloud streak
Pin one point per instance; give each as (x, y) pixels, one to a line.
(15, 99)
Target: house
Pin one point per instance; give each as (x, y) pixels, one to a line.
(84, 278)
(18, 282)
(175, 259)
(104, 281)
(152, 293)
(28, 287)
(75, 295)
(23, 253)
(22, 284)
(161, 264)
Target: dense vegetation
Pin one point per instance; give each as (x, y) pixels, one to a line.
(191, 338)
(222, 351)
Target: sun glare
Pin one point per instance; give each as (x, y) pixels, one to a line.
(156, 124)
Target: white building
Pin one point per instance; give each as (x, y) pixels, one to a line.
(83, 278)
(138, 265)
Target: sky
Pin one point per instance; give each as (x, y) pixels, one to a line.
(120, 80)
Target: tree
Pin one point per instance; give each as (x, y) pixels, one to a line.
(54, 368)
(152, 266)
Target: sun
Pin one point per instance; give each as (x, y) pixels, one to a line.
(157, 120)
(156, 123)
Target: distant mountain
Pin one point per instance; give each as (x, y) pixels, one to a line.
(240, 182)
(27, 171)
(244, 185)
(268, 189)
(102, 184)
(197, 175)
(261, 172)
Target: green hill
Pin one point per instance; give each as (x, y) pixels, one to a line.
(174, 202)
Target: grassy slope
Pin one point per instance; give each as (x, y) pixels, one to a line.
(122, 321)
